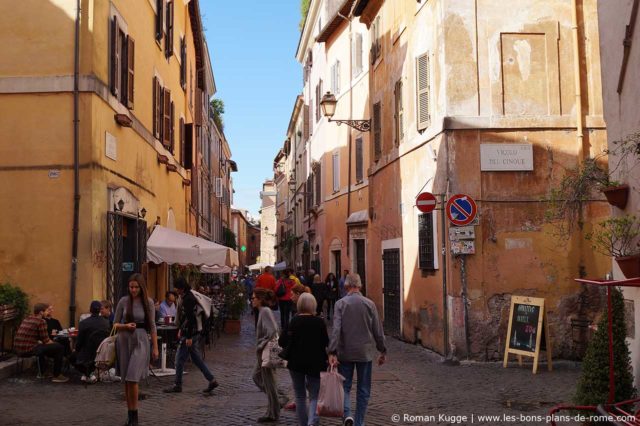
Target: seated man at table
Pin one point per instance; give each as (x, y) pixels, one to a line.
(91, 332)
(168, 306)
(32, 338)
(106, 311)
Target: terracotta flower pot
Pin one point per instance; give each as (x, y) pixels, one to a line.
(232, 326)
(617, 195)
(629, 265)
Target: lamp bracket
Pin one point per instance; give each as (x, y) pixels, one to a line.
(361, 125)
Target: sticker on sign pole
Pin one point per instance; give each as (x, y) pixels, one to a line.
(461, 209)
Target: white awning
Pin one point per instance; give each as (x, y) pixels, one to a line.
(173, 247)
(280, 266)
(358, 218)
(258, 266)
(215, 270)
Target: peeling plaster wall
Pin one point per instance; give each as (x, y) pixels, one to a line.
(496, 77)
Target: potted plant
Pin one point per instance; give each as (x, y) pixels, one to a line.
(14, 302)
(235, 302)
(615, 237)
(617, 193)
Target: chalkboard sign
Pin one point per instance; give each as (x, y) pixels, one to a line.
(524, 327)
(528, 331)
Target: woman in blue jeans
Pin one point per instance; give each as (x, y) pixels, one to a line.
(305, 348)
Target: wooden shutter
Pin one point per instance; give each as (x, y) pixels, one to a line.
(359, 160)
(181, 139)
(187, 150)
(154, 113)
(318, 193)
(131, 47)
(183, 63)
(377, 132)
(198, 106)
(172, 130)
(305, 123)
(168, 48)
(337, 76)
(358, 60)
(166, 125)
(422, 95)
(398, 112)
(115, 57)
(336, 172)
(159, 19)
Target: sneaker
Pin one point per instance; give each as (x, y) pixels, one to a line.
(212, 385)
(83, 379)
(92, 379)
(173, 389)
(348, 421)
(290, 406)
(60, 379)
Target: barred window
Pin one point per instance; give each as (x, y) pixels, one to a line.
(425, 241)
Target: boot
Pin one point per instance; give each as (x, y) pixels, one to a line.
(134, 418)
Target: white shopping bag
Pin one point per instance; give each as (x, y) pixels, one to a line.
(331, 395)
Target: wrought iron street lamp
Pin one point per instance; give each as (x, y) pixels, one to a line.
(328, 104)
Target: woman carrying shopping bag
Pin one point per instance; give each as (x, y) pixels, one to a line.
(306, 350)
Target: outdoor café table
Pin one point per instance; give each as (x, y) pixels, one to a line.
(166, 333)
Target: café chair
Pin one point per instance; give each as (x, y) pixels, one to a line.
(21, 357)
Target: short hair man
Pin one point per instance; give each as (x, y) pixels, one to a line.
(188, 337)
(168, 305)
(91, 331)
(32, 338)
(106, 311)
(357, 333)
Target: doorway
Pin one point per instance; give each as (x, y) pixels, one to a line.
(126, 252)
(360, 265)
(391, 291)
(336, 262)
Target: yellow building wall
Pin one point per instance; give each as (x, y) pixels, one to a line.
(36, 118)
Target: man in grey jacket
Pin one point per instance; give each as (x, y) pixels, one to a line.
(357, 333)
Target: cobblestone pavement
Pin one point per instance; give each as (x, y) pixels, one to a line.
(412, 383)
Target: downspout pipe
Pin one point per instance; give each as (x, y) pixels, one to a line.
(577, 80)
(76, 171)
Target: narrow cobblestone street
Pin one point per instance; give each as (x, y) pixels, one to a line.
(413, 382)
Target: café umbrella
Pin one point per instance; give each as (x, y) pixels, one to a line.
(173, 247)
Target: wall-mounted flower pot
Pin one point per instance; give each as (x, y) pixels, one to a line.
(629, 265)
(617, 195)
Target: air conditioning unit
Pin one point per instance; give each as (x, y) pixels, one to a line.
(218, 187)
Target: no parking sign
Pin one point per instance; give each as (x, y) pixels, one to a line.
(461, 209)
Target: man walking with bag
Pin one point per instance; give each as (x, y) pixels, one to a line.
(188, 337)
(357, 333)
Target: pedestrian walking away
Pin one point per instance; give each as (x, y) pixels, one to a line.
(333, 293)
(267, 281)
(188, 338)
(134, 321)
(319, 291)
(305, 346)
(266, 329)
(357, 333)
(287, 281)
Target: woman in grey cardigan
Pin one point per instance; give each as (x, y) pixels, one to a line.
(135, 321)
(266, 329)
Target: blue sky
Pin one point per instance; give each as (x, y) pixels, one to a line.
(252, 47)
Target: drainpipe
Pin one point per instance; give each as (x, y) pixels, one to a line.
(576, 72)
(76, 171)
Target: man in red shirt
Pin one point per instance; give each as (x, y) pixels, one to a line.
(32, 338)
(267, 280)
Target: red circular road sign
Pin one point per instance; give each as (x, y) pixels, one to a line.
(461, 209)
(426, 202)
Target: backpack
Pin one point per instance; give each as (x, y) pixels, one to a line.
(203, 309)
(281, 289)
